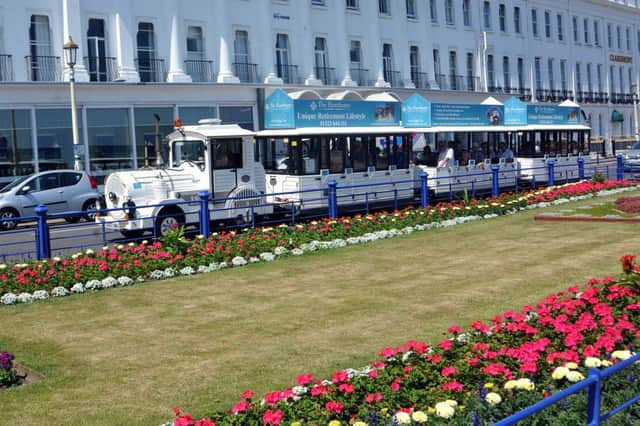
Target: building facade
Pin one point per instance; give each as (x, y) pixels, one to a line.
(147, 61)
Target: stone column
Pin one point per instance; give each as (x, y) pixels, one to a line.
(225, 71)
(343, 46)
(125, 43)
(177, 44)
(267, 44)
(374, 22)
(71, 26)
(307, 64)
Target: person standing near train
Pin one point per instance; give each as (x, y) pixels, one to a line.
(446, 156)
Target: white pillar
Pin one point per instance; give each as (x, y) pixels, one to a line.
(177, 45)
(342, 47)
(16, 25)
(225, 72)
(267, 44)
(374, 22)
(125, 46)
(405, 60)
(307, 64)
(71, 27)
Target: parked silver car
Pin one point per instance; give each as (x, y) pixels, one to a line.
(60, 190)
(631, 158)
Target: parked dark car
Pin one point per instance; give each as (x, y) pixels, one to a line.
(60, 190)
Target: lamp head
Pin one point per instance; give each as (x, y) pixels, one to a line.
(70, 52)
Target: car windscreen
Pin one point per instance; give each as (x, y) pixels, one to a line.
(188, 150)
(17, 182)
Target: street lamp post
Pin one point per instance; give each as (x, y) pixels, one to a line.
(634, 95)
(70, 54)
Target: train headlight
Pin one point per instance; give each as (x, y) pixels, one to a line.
(113, 197)
(129, 209)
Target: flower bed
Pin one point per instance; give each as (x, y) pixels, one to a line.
(629, 205)
(125, 265)
(8, 375)
(476, 375)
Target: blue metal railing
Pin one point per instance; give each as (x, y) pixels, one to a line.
(52, 238)
(593, 384)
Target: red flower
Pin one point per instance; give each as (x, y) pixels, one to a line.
(340, 377)
(176, 410)
(205, 422)
(248, 394)
(452, 386)
(272, 417)
(334, 407)
(627, 262)
(304, 379)
(374, 397)
(241, 407)
(446, 344)
(449, 371)
(346, 388)
(454, 329)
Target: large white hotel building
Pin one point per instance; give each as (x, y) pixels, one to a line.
(139, 59)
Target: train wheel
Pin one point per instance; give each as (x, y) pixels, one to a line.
(167, 221)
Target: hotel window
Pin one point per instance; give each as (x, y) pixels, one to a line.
(109, 137)
(563, 75)
(628, 34)
(486, 13)
(612, 75)
(387, 63)
(355, 57)
(318, 2)
(433, 10)
(16, 152)
(41, 62)
(630, 76)
(54, 133)
(353, 4)
(436, 65)
(520, 66)
(538, 72)
(466, 12)
(574, 22)
(471, 78)
(552, 83)
(322, 61)
(282, 58)
(534, 22)
(453, 70)
(596, 33)
(619, 36)
(449, 12)
(586, 31)
(491, 77)
(97, 52)
(516, 20)
(412, 12)
(241, 49)
(547, 24)
(506, 73)
(148, 67)
(383, 7)
(609, 37)
(560, 27)
(621, 80)
(502, 17)
(414, 65)
(599, 77)
(589, 79)
(578, 77)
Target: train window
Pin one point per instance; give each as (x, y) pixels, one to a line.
(357, 153)
(337, 151)
(310, 151)
(188, 150)
(227, 153)
(382, 153)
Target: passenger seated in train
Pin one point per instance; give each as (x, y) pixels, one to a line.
(446, 158)
(506, 153)
(465, 156)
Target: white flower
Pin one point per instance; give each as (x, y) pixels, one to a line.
(238, 261)
(560, 373)
(493, 398)
(187, 270)
(157, 275)
(402, 418)
(169, 272)
(124, 281)
(77, 288)
(140, 279)
(419, 417)
(203, 269)
(40, 295)
(25, 298)
(109, 282)
(3, 266)
(267, 256)
(279, 251)
(297, 252)
(89, 252)
(254, 259)
(8, 299)
(444, 410)
(59, 292)
(525, 384)
(56, 259)
(131, 244)
(574, 376)
(621, 355)
(93, 285)
(223, 265)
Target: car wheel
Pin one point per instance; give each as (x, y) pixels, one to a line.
(168, 221)
(90, 205)
(5, 223)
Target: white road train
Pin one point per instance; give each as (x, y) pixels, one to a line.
(252, 173)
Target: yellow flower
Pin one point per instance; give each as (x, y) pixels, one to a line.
(606, 363)
(525, 384)
(419, 417)
(3, 266)
(621, 355)
(488, 385)
(511, 384)
(334, 423)
(493, 398)
(559, 373)
(444, 410)
(431, 410)
(574, 376)
(200, 237)
(571, 365)
(402, 418)
(451, 403)
(296, 424)
(359, 423)
(592, 362)
(384, 411)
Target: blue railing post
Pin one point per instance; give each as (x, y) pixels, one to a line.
(424, 190)
(593, 399)
(333, 201)
(205, 215)
(43, 243)
(580, 168)
(551, 173)
(495, 184)
(619, 167)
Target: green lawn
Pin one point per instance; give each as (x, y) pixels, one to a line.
(128, 355)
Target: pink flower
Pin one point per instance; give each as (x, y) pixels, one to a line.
(304, 379)
(334, 407)
(241, 407)
(272, 417)
(449, 371)
(340, 377)
(454, 329)
(452, 386)
(346, 388)
(446, 344)
(374, 397)
(248, 394)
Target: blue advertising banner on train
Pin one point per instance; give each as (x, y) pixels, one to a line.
(515, 112)
(416, 112)
(466, 115)
(279, 111)
(336, 113)
(552, 114)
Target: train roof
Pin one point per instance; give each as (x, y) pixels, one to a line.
(373, 130)
(210, 130)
